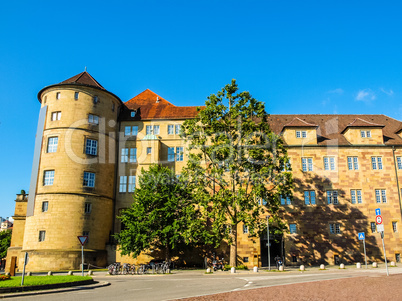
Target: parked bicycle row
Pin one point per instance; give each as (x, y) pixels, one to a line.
(130, 269)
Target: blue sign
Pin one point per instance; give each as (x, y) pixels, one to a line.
(361, 236)
(377, 212)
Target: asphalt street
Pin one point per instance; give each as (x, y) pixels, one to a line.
(184, 284)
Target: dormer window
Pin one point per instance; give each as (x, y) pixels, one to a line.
(301, 134)
(132, 114)
(365, 134)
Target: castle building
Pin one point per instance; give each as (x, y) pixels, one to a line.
(90, 148)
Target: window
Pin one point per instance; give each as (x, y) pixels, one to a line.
(127, 131)
(52, 144)
(123, 184)
(365, 134)
(356, 196)
(58, 95)
(152, 130)
(133, 155)
(149, 150)
(179, 153)
(96, 99)
(86, 233)
(76, 94)
(45, 206)
(56, 116)
(329, 163)
(399, 162)
(353, 164)
(292, 228)
(132, 114)
(131, 183)
(372, 226)
(177, 129)
(309, 197)
(42, 235)
(245, 259)
(91, 147)
(262, 201)
(134, 131)
(48, 177)
(93, 119)
(170, 129)
(89, 179)
(131, 131)
(156, 129)
(124, 155)
(335, 228)
(395, 226)
(88, 208)
(285, 200)
(170, 154)
(380, 196)
(376, 162)
(245, 229)
(397, 257)
(307, 164)
(332, 197)
(113, 106)
(294, 258)
(301, 134)
(148, 129)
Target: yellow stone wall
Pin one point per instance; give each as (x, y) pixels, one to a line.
(353, 135)
(289, 135)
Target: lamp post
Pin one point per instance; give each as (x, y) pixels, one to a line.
(269, 256)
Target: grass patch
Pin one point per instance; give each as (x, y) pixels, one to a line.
(41, 280)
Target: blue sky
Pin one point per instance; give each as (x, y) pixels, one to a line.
(339, 57)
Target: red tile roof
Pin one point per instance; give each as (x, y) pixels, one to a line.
(330, 127)
(297, 122)
(84, 78)
(358, 122)
(150, 105)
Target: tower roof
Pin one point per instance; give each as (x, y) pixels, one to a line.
(81, 79)
(84, 78)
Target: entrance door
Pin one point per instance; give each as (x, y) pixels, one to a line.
(275, 249)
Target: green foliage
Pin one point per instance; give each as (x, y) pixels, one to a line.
(41, 280)
(227, 267)
(161, 216)
(5, 240)
(5, 277)
(237, 166)
(242, 267)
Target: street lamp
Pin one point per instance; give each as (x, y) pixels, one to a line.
(269, 256)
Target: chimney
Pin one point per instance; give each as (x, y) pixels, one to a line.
(157, 99)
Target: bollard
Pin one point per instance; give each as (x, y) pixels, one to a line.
(358, 265)
(168, 271)
(255, 269)
(341, 266)
(70, 273)
(7, 274)
(392, 263)
(233, 270)
(29, 273)
(281, 268)
(49, 273)
(322, 267)
(90, 273)
(302, 268)
(208, 270)
(375, 265)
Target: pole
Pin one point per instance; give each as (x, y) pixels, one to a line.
(385, 255)
(82, 261)
(365, 256)
(23, 270)
(269, 256)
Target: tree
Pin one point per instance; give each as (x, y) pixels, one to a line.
(238, 167)
(5, 241)
(161, 216)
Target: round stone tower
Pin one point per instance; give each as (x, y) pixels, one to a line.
(73, 175)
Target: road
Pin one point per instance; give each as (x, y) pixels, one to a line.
(184, 284)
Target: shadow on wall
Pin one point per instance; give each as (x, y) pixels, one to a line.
(314, 244)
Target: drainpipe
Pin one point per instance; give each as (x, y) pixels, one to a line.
(397, 180)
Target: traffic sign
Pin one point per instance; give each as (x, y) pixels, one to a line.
(378, 211)
(82, 239)
(378, 219)
(361, 236)
(380, 228)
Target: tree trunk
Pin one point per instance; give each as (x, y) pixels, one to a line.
(233, 247)
(167, 254)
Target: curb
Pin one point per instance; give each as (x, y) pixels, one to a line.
(52, 291)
